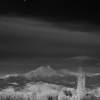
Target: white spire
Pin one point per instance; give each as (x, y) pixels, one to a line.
(80, 83)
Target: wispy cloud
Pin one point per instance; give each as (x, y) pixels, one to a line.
(35, 37)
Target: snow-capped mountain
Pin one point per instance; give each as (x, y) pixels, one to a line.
(47, 74)
(43, 72)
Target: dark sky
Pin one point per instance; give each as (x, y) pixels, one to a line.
(48, 29)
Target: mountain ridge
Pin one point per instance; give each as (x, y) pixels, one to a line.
(49, 71)
(49, 75)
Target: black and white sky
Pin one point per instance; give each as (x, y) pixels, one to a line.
(31, 31)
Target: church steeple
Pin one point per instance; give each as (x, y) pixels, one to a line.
(80, 83)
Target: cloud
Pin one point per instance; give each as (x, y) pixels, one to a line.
(23, 36)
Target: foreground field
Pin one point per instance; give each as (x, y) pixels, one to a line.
(45, 91)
